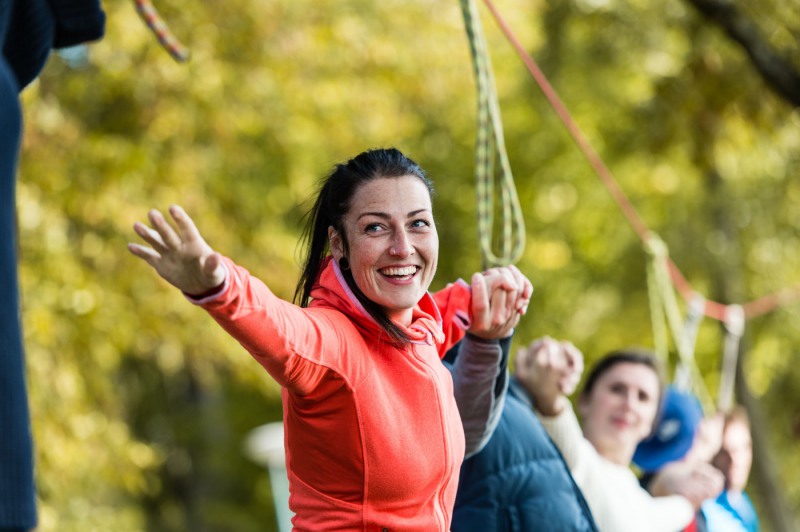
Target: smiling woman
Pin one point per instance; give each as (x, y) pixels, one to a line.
(619, 405)
(375, 214)
(374, 438)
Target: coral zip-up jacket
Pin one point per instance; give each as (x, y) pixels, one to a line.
(374, 440)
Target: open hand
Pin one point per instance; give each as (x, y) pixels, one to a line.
(181, 257)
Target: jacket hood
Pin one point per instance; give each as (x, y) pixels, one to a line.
(331, 291)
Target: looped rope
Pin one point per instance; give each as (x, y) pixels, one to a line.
(734, 330)
(694, 315)
(157, 25)
(664, 309)
(490, 144)
(657, 250)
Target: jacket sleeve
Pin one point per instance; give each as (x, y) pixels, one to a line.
(37, 26)
(454, 305)
(77, 21)
(278, 334)
(480, 381)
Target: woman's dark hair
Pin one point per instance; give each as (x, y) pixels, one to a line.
(332, 203)
(626, 356)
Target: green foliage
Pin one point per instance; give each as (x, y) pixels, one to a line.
(140, 405)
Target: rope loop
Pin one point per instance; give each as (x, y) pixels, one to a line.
(666, 319)
(491, 149)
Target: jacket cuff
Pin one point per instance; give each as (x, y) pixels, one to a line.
(77, 21)
(213, 294)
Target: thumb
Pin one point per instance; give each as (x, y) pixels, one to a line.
(480, 294)
(213, 269)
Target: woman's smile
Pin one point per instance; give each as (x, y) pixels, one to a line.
(399, 273)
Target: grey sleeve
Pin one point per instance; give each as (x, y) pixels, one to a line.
(480, 381)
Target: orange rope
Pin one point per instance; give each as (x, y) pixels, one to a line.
(712, 309)
(154, 21)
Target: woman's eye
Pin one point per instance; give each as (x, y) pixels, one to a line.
(618, 389)
(420, 224)
(372, 228)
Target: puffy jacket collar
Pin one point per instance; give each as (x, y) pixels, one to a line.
(331, 291)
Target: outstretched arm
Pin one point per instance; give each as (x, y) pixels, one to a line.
(695, 481)
(244, 306)
(694, 477)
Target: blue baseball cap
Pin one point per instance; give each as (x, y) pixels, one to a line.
(674, 431)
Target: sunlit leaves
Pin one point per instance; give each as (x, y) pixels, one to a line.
(140, 403)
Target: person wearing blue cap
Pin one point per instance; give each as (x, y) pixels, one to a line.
(619, 405)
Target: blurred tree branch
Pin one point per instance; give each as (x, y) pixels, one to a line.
(774, 66)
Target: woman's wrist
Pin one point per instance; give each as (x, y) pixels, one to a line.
(208, 293)
(551, 407)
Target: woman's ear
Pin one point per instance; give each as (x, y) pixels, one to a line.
(336, 244)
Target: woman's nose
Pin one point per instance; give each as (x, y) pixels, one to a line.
(630, 400)
(401, 245)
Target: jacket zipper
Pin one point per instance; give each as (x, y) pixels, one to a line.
(448, 473)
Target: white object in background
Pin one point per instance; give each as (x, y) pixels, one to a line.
(264, 445)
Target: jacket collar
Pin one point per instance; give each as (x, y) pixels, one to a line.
(331, 291)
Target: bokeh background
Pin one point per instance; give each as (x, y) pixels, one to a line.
(141, 405)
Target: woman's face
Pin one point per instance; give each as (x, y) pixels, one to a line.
(620, 410)
(738, 446)
(393, 246)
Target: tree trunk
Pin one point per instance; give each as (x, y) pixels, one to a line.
(728, 288)
(775, 68)
(769, 483)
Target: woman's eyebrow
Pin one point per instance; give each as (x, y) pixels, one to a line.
(383, 215)
(386, 216)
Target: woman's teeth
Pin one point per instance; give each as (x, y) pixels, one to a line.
(399, 272)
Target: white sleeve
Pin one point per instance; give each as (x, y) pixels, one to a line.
(617, 501)
(566, 433)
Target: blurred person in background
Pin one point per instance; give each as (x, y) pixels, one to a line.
(29, 29)
(518, 481)
(619, 405)
(732, 510)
